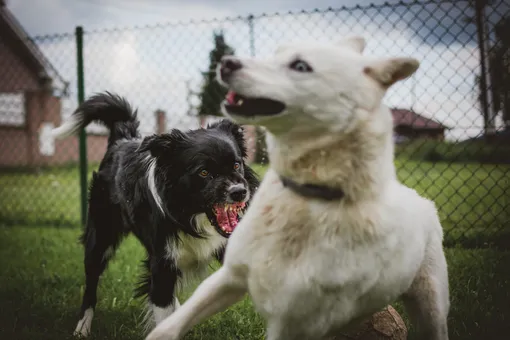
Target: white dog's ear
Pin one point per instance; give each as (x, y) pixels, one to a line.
(389, 71)
(356, 42)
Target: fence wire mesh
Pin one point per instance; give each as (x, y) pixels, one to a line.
(451, 119)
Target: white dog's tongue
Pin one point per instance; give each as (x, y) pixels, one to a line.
(231, 97)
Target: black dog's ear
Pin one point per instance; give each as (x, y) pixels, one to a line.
(253, 179)
(159, 145)
(236, 130)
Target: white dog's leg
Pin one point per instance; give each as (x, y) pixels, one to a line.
(216, 293)
(427, 302)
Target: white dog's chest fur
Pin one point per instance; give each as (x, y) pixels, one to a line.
(310, 261)
(192, 254)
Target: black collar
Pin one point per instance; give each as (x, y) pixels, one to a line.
(313, 190)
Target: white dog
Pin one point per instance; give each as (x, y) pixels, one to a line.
(331, 235)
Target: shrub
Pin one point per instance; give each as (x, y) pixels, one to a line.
(471, 151)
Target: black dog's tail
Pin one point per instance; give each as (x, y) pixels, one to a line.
(109, 109)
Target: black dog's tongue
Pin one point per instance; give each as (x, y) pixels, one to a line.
(227, 220)
(227, 215)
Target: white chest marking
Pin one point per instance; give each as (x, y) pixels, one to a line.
(193, 255)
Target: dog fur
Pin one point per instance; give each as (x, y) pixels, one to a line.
(172, 191)
(313, 267)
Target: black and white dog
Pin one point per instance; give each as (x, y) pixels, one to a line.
(181, 194)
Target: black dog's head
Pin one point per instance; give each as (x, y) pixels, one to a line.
(204, 171)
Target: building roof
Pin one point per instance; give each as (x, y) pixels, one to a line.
(405, 117)
(32, 55)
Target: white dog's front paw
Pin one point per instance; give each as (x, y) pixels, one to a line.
(163, 331)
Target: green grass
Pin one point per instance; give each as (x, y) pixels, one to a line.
(472, 199)
(41, 282)
(469, 151)
(41, 276)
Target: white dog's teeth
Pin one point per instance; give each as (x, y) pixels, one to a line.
(240, 102)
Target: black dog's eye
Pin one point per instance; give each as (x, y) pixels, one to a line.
(300, 66)
(203, 173)
(237, 166)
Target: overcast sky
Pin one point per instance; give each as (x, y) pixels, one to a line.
(152, 66)
(51, 16)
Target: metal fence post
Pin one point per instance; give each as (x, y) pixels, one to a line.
(82, 137)
(259, 136)
(252, 35)
(485, 90)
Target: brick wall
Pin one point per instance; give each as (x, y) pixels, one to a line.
(160, 121)
(21, 146)
(13, 146)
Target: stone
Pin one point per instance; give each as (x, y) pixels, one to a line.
(386, 324)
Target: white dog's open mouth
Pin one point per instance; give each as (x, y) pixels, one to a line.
(239, 105)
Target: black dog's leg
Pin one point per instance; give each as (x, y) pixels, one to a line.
(100, 240)
(163, 283)
(98, 252)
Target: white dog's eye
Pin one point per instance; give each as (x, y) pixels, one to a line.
(300, 66)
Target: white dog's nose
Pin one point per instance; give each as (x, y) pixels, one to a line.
(229, 64)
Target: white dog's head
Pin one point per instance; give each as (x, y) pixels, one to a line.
(315, 86)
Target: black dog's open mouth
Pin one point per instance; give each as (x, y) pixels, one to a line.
(225, 217)
(239, 105)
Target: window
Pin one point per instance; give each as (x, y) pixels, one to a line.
(12, 109)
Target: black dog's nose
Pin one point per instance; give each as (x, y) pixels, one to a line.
(229, 64)
(237, 193)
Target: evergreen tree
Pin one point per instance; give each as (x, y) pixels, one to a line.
(499, 71)
(213, 93)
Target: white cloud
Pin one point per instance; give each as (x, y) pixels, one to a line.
(125, 57)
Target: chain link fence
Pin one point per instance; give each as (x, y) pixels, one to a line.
(451, 119)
